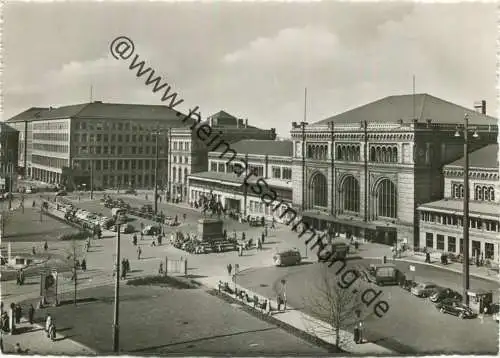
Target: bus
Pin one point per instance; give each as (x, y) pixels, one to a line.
(386, 274)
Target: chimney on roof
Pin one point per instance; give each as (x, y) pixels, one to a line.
(480, 106)
(246, 123)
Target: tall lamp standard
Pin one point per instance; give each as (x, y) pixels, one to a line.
(156, 134)
(116, 316)
(465, 249)
(303, 126)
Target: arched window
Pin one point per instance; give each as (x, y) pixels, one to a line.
(357, 154)
(486, 193)
(319, 190)
(372, 154)
(174, 172)
(492, 194)
(185, 175)
(180, 174)
(394, 155)
(378, 154)
(339, 152)
(478, 193)
(384, 155)
(309, 151)
(350, 193)
(387, 199)
(461, 190)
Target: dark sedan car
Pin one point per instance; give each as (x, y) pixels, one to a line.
(445, 293)
(456, 308)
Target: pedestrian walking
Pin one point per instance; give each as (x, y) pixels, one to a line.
(134, 240)
(31, 314)
(263, 237)
(127, 265)
(229, 269)
(240, 250)
(33, 250)
(159, 240)
(19, 313)
(160, 270)
(142, 234)
(52, 331)
(184, 217)
(84, 265)
(139, 252)
(124, 270)
(45, 246)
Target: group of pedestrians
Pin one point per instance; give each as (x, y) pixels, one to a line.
(20, 277)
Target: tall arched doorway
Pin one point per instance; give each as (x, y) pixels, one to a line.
(318, 190)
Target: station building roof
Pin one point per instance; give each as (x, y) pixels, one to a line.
(392, 109)
(484, 158)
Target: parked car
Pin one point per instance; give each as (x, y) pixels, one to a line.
(424, 289)
(170, 221)
(456, 308)
(131, 191)
(125, 228)
(445, 293)
(408, 285)
(151, 230)
(287, 257)
(61, 193)
(29, 190)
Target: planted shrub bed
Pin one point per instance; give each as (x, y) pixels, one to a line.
(164, 281)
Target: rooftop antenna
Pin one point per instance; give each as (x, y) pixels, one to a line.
(414, 114)
(91, 90)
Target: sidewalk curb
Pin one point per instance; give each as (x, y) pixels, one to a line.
(494, 279)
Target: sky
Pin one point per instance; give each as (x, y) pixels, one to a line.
(251, 59)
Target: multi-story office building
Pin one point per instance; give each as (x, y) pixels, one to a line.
(9, 138)
(113, 145)
(365, 171)
(269, 160)
(189, 153)
(441, 222)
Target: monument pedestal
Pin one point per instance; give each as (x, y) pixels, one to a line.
(210, 229)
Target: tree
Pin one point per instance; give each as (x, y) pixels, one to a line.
(334, 303)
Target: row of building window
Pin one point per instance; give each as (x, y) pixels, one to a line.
(457, 220)
(379, 154)
(317, 151)
(120, 164)
(107, 125)
(180, 159)
(348, 152)
(181, 146)
(177, 175)
(49, 161)
(47, 126)
(55, 137)
(481, 192)
(129, 180)
(384, 154)
(276, 172)
(386, 196)
(144, 150)
(281, 173)
(489, 248)
(56, 148)
(126, 138)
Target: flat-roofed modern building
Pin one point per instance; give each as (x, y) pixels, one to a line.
(112, 143)
(9, 138)
(365, 171)
(441, 221)
(270, 162)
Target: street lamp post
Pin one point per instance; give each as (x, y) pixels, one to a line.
(156, 133)
(116, 326)
(465, 249)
